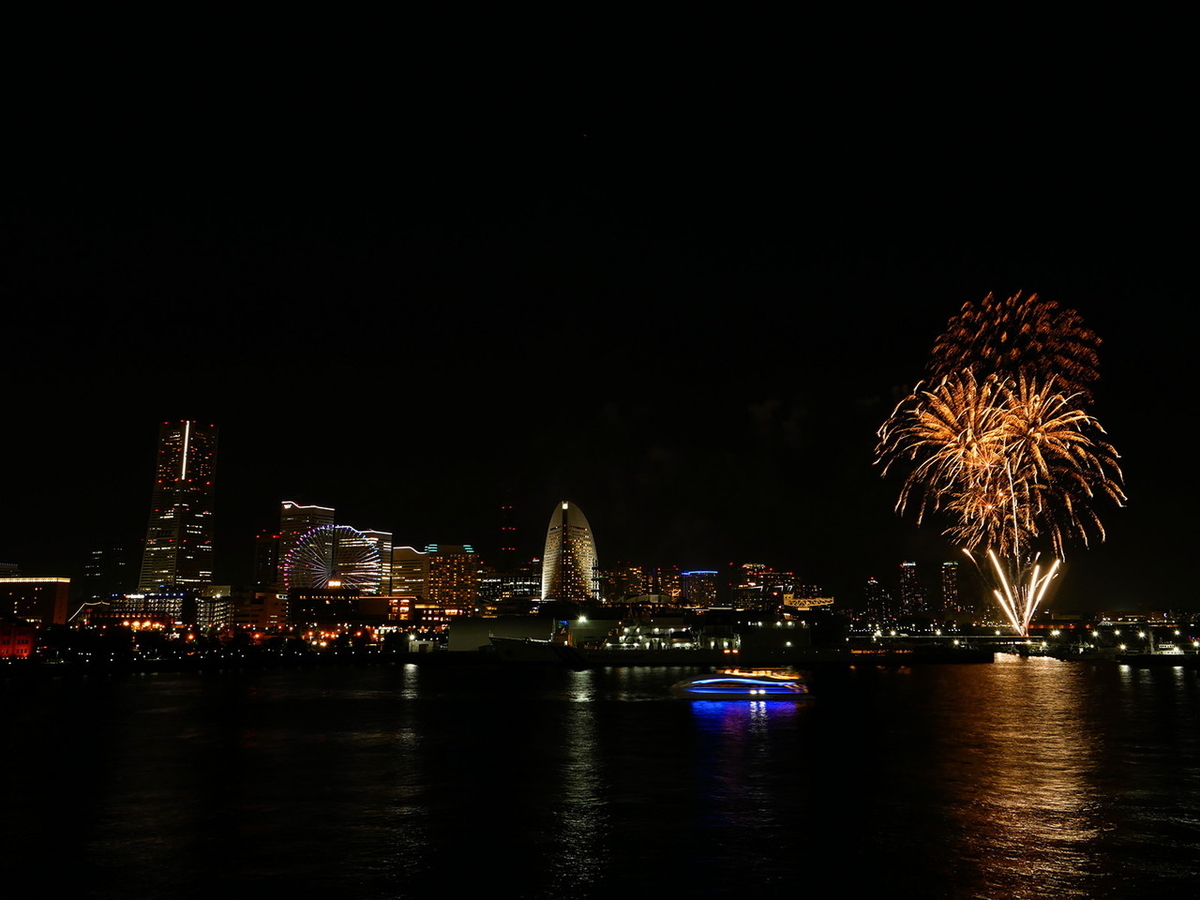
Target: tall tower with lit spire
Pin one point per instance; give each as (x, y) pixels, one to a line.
(179, 538)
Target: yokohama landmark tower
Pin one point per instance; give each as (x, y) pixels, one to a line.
(179, 545)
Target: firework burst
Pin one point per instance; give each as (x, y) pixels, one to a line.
(1010, 458)
(1019, 335)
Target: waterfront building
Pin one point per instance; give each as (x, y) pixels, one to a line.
(215, 606)
(259, 608)
(410, 572)
(453, 579)
(179, 543)
(153, 608)
(699, 587)
(510, 592)
(17, 638)
(761, 587)
(39, 601)
(328, 607)
(569, 564)
(442, 576)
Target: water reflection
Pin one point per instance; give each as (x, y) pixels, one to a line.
(581, 823)
(1017, 754)
(1027, 778)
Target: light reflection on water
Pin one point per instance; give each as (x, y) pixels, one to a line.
(1026, 814)
(1028, 778)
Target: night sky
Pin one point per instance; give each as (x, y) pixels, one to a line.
(687, 309)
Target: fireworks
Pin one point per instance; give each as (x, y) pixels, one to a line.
(1019, 335)
(999, 448)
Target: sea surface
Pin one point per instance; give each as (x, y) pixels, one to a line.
(1028, 778)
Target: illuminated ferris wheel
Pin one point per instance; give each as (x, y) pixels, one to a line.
(333, 556)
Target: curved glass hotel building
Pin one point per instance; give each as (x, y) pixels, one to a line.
(569, 567)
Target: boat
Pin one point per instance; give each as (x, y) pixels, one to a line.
(742, 683)
(1159, 654)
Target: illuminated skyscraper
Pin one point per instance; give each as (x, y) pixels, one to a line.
(700, 587)
(441, 575)
(912, 594)
(950, 599)
(569, 563)
(179, 546)
(296, 519)
(877, 601)
(453, 577)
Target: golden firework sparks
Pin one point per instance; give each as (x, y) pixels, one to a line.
(1000, 449)
(1019, 335)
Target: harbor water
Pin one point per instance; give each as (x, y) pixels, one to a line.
(1028, 778)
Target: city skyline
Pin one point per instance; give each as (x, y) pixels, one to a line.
(693, 337)
(183, 500)
(303, 524)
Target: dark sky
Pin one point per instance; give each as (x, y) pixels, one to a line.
(686, 308)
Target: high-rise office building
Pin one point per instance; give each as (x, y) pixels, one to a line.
(700, 587)
(410, 572)
(445, 576)
(453, 577)
(272, 547)
(951, 603)
(877, 601)
(110, 569)
(179, 544)
(506, 560)
(295, 521)
(912, 594)
(569, 563)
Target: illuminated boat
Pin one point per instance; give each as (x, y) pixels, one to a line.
(745, 684)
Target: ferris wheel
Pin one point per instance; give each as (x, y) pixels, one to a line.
(333, 556)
